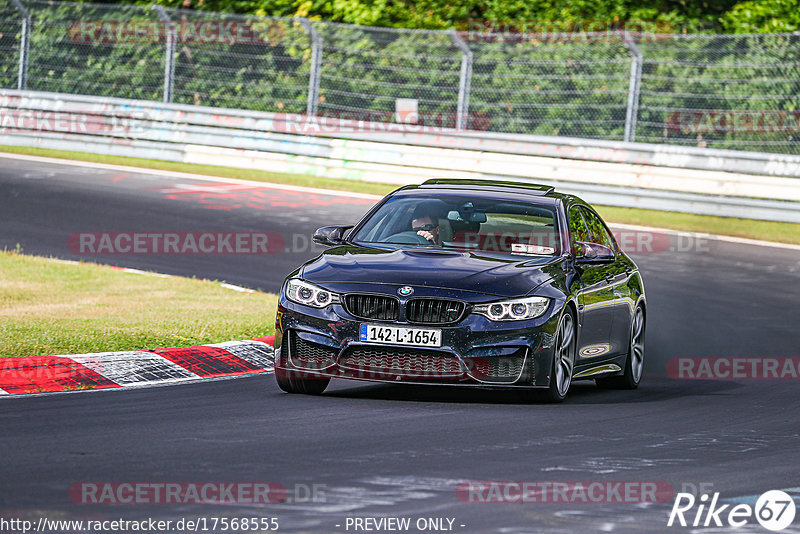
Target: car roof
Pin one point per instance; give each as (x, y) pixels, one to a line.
(516, 187)
(545, 193)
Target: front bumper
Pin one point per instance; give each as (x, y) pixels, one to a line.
(324, 343)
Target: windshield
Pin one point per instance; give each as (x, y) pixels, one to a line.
(463, 222)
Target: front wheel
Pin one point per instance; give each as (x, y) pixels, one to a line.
(634, 364)
(563, 360)
(313, 386)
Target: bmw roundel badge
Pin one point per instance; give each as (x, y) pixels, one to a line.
(405, 291)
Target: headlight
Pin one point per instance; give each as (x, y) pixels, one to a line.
(513, 310)
(308, 294)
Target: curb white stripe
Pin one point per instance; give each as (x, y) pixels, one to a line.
(133, 367)
(256, 352)
(4, 392)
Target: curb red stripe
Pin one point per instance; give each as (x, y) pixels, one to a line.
(49, 373)
(208, 361)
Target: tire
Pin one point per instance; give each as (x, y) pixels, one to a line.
(563, 360)
(314, 386)
(634, 362)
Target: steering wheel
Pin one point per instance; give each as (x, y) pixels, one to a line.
(409, 237)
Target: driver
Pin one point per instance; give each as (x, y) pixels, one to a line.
(426, 224)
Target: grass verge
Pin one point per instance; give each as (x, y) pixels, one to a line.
(688, 222)
(48, 307)
(748, 228)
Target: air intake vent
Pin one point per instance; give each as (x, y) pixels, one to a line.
(310, 356)
(497, 369)
(401, 361)
(434, 311)
(375, 307)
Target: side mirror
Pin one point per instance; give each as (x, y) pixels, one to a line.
(593, 253)
(330, 235)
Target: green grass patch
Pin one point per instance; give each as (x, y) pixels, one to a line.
(748, 228)
(48, 307)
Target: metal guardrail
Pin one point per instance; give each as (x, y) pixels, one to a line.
(716, 182)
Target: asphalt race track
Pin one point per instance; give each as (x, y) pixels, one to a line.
(380, 450)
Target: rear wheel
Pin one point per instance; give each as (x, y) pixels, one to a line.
(313, 386)
(563, 360)
(634, 364)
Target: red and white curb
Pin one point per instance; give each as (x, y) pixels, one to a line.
(103, 370)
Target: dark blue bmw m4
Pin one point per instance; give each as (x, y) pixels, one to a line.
(470, 283)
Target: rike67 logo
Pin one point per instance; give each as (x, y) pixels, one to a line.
(774, 510)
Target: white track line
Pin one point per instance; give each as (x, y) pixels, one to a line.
(240, 289)
(147, 273)
(189, 176)
(140, 170)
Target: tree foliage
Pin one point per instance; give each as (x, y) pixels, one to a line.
(721, 16)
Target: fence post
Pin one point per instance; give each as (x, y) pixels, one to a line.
(24, 45)
(464, 81)
(634, 86)
(316, 64)
(169, 58)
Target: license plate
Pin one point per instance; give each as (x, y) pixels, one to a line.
(395, 335)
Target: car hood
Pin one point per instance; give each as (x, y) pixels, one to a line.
(486, 273)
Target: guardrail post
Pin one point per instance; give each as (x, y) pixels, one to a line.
(169, 58)
(24, 45)
(464, 82)
(316, 65)
(634, 85)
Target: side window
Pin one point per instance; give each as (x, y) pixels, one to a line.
(597, 230)
(577, 227)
